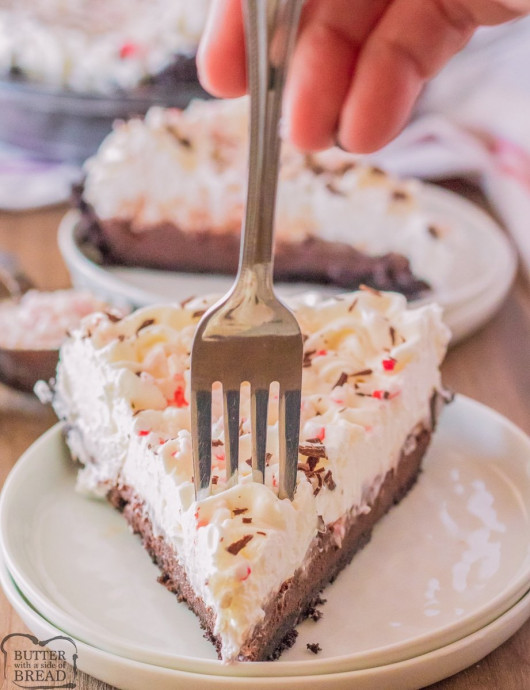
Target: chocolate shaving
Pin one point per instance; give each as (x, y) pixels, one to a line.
(186, 301)
(343, 378)
(433, 231)
(399, 195)
(145, 324)
(247, 520)
(121, 337)
(329, 481)
(268, 458)
(353, 304)
(264, 534)
(346, 167)
(334, 190)
(236, 547)
(239, 511)
(249, 462)
(314, 451)
(112, 317)
(314, 647)
(367, 288)
(308, 356)
(363, 372)
(312, 462)
(377, 171)
(182, 140)
(312, 165)
(217, 442)
(314, 477)
(199, 313)
(215, 479)
(136, 412)
(392, 332)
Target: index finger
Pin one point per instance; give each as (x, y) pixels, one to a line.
(221, 57)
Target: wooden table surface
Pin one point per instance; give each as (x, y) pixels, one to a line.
(492, 366)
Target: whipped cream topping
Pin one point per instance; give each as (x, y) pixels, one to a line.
(97, 46)
(370, 369)
(189, 168)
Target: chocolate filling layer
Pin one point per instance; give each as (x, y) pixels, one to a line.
(312, 260)
(327, 556)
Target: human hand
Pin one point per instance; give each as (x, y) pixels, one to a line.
(358, 65)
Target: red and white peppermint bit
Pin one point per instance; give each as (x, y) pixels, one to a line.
(389, 364)
(178, 399)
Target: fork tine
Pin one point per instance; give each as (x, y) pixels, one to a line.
(259, 409)
(201, 421)
(231, 424)
(288, 431)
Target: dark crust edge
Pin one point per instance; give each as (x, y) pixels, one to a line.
(180, 70)
(164, 246)
(297, 596)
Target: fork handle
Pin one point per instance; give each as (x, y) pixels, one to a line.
(270, 31)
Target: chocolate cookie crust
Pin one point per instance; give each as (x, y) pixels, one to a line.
(313, 260)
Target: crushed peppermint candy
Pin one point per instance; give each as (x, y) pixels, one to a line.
(178, 399)
(43, 320)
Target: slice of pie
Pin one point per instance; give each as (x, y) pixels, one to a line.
(168, 192)
(247, 563)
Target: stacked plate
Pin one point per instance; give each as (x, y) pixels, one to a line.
(480, 262)
(445, 579)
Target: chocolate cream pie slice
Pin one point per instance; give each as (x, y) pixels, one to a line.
(247, 563)
(168, 192)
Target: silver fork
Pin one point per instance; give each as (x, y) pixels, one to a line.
(249, 335)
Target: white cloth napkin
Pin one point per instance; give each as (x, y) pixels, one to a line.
(27, 182)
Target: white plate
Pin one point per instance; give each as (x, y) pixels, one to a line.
(466, 318)
(478, 251)
(405, 675)
(465, 529)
